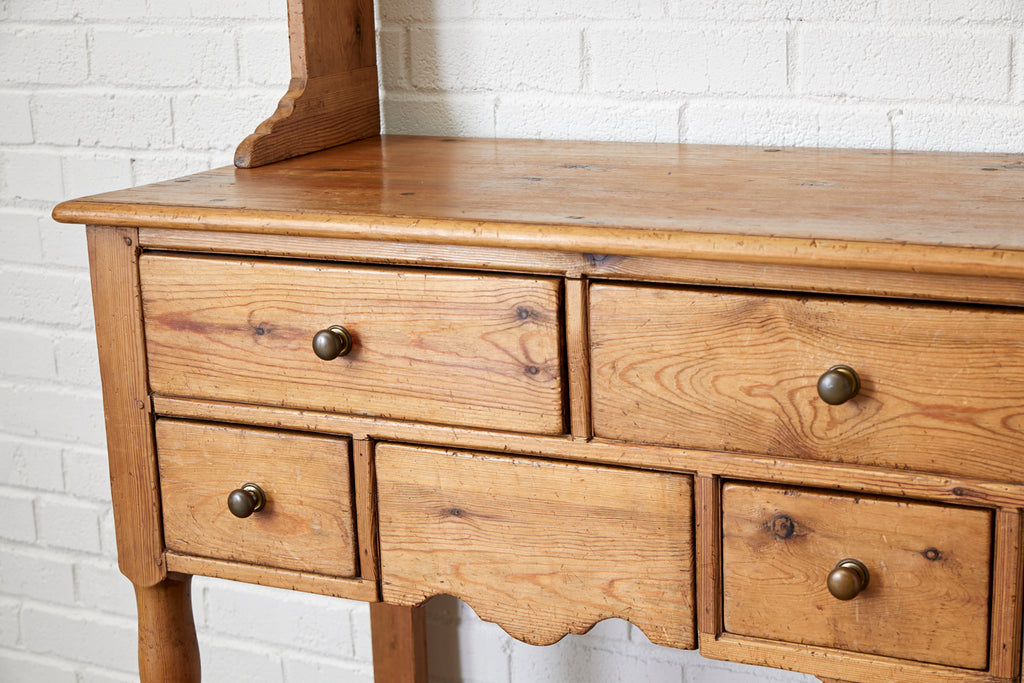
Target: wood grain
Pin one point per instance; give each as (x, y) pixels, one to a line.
(578, 357)
(365, 484)
(803, 278)
(332, 98)
(930, 572)
(461, 349)
(168, 649)
(134, 483)
(708, 507)
(399, 643)
(308, 522)
(942, 387)
(906, 213)
(540, 548)
(1007, 595)
(831, 663)
(844, 477)
(274, 577)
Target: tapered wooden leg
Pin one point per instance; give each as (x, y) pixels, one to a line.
(399, 643)
(168, 649)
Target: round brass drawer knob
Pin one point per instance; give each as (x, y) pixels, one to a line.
(838, 384)
(333, 342)
(246, 500)
(848, 579)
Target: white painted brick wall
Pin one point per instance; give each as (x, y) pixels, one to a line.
(100, 94)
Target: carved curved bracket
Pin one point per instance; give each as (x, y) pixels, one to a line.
(332, 98)
(548, 624)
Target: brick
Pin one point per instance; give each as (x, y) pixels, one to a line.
(135, 120)
(759, 10)
(425, 11)
(64, 245)
(102, 676)
(144, 57)
(92, 173)
(19, 237)
(21, 667)
(15, 118)
(313, 623)
(299, 668)
(949, 11)
(787, 123)
(28, 353)
(263, 56)
(101, 587)
(37, 576)
(36, 56)
(393, 49)
(77, 362)
(569, 117)
(17, 509)
(146, 169)
(932, 65)
(230, 661)
(362, 635)
(216, 121)
(745, 61)
(108, 537)
(81, 636)
(29, 412)
(30, 465)
(9, 628)
(646, 60)
(47, 10)
(571, 660)
(45, 296)
(460, 57)
(962, 128)
(67, 523)
(472, 651)
(30, 174)
(1017, 86)
(242, 9)
(86, 474)
(461, 115)
(593, 9)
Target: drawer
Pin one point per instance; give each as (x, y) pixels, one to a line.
(942, 388)
(432, 346)
(928, 569)
(541, 548)
(307, 521)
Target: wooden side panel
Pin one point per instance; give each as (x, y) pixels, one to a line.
(709, 554)
(930, 570)
(578, 357)
(332, 98)
(365, 485)
(308, 522)
(458, 349)
(1007, 595)
(399, 643)
(540, 548)
(113, 267)
(942, 388)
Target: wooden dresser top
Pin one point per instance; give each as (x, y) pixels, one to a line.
(891, 211)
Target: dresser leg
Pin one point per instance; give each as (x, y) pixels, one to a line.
(168, 650)
(399, 643)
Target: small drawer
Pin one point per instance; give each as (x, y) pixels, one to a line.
(541, 548)
(941, 388)
(307, 522)
(431, 346)
(927, 566)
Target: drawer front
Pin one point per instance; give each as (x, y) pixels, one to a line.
(942, 389)
(541, 548)
(307, 521)
(928, 568)
(471, 350)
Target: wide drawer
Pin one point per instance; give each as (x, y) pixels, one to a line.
(928, 573)
(541, 548)
(462, 349)
(942, 388)
(307, 523)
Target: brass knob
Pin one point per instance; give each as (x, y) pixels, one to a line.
(838, 384)
(333, 342)
(246, 500)
(848, 579)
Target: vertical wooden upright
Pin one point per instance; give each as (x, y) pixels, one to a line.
(399, 643)
(332, 98)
